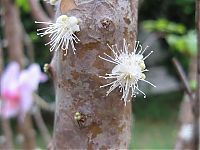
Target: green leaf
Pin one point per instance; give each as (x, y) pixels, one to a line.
(186, 44)
(34, 37)
(193, 84)
(149, 25)
(23, 4)
(163, 25)
(191, 42)
(176, 42)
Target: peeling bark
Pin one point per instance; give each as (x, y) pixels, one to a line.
(107, 122)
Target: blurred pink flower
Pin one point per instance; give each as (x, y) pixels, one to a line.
(17, 88)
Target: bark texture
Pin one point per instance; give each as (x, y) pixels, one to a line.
(107, 121)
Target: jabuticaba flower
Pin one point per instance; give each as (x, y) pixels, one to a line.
(129, 69)
(61, 33)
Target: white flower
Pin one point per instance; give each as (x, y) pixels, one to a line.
(129, 69)
(52, 2)
(61, 33)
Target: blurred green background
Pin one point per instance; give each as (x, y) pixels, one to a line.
(168, 27)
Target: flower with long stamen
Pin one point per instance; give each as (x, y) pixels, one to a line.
(61, 33)
(129, 69)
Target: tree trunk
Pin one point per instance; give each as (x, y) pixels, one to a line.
(107, 121)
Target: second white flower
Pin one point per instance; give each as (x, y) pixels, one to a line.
(129, 69)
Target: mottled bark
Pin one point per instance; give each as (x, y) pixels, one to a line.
(108, 121)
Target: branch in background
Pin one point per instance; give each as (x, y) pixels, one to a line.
(50, 10)
(13, 32)
(29, 46)
(26, 128)
(186, 117)
(197, 100)
(37, 12)
(192, 101)
(183, 78)
(1, 58)
(5, 124)
(43, 104)
(14, 35)
(7, 133)
(41, 125)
